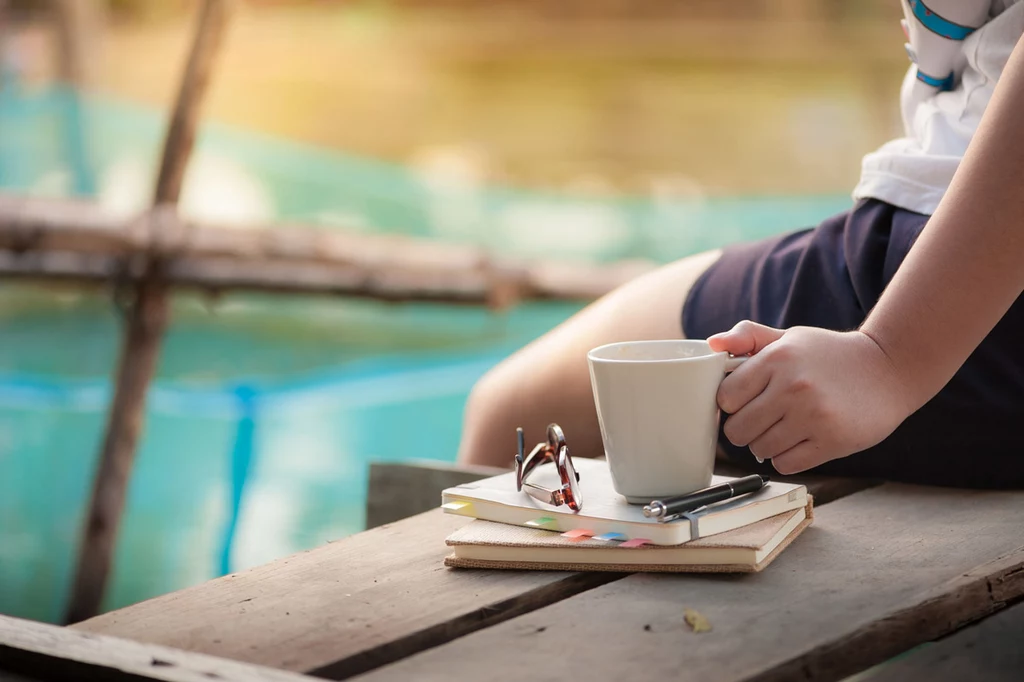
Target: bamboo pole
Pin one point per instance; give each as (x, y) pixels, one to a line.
(73, 241)
(31, 224)
(496, 288)
(145, 323)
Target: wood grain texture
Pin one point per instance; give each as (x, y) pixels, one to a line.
(989, 650)
(879, 572)
(347, 607)
(344, 608)
(46, 652)
(145, 321)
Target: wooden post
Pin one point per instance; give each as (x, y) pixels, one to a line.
(78, 23)
(146, 320)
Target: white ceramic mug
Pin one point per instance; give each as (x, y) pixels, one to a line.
(658, 409)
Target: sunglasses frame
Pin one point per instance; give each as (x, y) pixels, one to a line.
(557, 451)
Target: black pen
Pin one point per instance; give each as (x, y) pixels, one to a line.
(670, 508)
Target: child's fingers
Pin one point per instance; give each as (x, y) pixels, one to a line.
(746, 338)
(798, 458)
(751, 422)
(780, 438)
(743, 385)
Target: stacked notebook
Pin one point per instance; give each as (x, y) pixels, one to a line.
(515, 531)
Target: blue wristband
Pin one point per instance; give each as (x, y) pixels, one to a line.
(940, 83)
(937, 24)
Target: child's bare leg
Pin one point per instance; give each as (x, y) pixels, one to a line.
(549, 381)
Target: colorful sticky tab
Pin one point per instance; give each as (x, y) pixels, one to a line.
(635, 542)
(608, 537)
(542, 521)
(457, 505)
(577, 532)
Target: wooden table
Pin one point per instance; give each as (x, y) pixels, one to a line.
(882, 570)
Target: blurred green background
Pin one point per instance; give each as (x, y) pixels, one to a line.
(596, 129)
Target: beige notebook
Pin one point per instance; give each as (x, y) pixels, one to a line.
(484, 544)
(606, 512)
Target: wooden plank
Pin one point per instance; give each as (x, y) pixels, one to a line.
(989, 650)
(398, 490)
(880, 571)
(146, 320)
(48, 652)
(344, 608)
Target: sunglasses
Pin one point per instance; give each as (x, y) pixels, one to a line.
(557, 451)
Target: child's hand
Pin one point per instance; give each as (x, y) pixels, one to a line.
(808, 395)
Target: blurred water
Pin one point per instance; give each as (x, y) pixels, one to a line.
(267, 410)
(207, 495)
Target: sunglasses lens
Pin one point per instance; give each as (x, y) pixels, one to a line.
(556, 438)
(570, 479)
(555, 449)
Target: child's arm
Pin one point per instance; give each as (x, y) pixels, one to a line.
(814, 395)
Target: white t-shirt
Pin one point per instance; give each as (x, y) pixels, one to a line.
(913, 172)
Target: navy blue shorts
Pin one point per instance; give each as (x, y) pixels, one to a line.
(830, 277)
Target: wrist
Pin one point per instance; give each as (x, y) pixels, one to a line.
(906, 387)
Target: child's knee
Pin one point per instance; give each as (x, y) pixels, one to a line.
(487, 407)
(480, 400)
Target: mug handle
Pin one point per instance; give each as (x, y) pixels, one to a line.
(731, 364)
(734, 361)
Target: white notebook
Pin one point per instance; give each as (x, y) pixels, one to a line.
(485, 544)
(606, 513)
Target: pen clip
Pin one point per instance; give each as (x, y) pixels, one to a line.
(680, 515)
